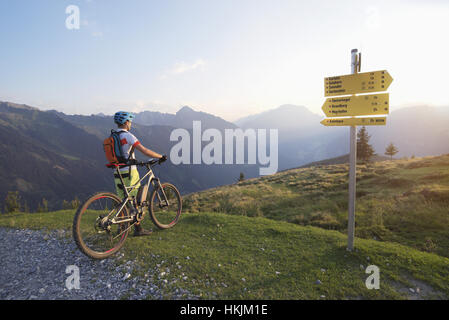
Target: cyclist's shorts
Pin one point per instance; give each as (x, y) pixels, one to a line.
(129, 180)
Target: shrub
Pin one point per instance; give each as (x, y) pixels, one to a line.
(43, 206)
(75, 203)
(66, 205)
(429, 245)
(324, 220)
(12, 203)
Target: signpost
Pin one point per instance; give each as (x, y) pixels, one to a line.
(350, 106)
(357, 83)
(372, 121)
(366, 105)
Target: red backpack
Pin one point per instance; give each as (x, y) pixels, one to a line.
(113, 149)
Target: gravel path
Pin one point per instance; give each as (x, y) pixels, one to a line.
(33, 265)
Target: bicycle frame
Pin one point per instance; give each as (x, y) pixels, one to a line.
(128, 190)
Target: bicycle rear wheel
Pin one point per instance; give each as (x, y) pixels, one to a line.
(165, 206)
(93, 233)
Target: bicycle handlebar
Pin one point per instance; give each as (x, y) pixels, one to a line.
(134, 162)
(150, 162)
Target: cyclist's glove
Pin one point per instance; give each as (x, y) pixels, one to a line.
(164, 157)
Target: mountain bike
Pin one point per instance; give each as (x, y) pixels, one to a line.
(102, 223)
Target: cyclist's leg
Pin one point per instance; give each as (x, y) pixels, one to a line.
(118, 185)
(129, 178)
(134, 178)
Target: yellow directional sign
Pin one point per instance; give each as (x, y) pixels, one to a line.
(357, 83)
(366, 105)
(370, 121)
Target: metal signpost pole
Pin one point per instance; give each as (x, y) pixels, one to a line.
(344, 108)
(352, 164)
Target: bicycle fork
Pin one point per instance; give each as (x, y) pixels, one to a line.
(159, 186)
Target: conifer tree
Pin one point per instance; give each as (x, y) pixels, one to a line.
(364, 150)
(391, 150)
(75, 203)
(12, 202)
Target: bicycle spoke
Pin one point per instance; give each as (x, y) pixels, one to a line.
(165, 206)
(95, 228)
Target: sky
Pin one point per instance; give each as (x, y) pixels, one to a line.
(230, 58)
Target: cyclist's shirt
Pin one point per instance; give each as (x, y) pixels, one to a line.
(128, 140)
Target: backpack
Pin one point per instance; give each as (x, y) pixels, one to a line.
(113, 148)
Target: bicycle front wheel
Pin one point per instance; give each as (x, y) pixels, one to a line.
(165, 205)
(93, 231)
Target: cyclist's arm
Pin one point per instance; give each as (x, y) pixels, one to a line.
(148, 152)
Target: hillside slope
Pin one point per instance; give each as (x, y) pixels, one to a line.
(219, 256)
(44, 156)
(51, 155)
(404, 201)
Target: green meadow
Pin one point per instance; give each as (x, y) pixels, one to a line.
(403, 201)
(283, 236)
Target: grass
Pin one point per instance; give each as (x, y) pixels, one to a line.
(404, 201)
(274, 237)
(221, 256)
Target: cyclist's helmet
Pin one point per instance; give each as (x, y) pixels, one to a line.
(122, 116)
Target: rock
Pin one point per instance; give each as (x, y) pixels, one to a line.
(46, 262)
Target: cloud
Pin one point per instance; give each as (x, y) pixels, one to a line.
(183, 67)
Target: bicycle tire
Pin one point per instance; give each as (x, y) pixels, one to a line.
(155, 217)
(76, 228)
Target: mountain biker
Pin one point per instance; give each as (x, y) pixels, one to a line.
(130, 174)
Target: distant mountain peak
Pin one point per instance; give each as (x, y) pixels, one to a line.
(284, 116)
(185, 109)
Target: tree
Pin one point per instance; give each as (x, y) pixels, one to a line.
(364, 150)
(66, 205)
(43, 206)
(241, 177)
(391, 150)
(75, 203)
(12, 203)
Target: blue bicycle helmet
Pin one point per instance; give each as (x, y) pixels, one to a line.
(122, 116)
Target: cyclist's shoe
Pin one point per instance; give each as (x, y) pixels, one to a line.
(139, 231)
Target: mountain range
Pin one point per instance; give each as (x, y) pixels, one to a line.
(56, 156)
